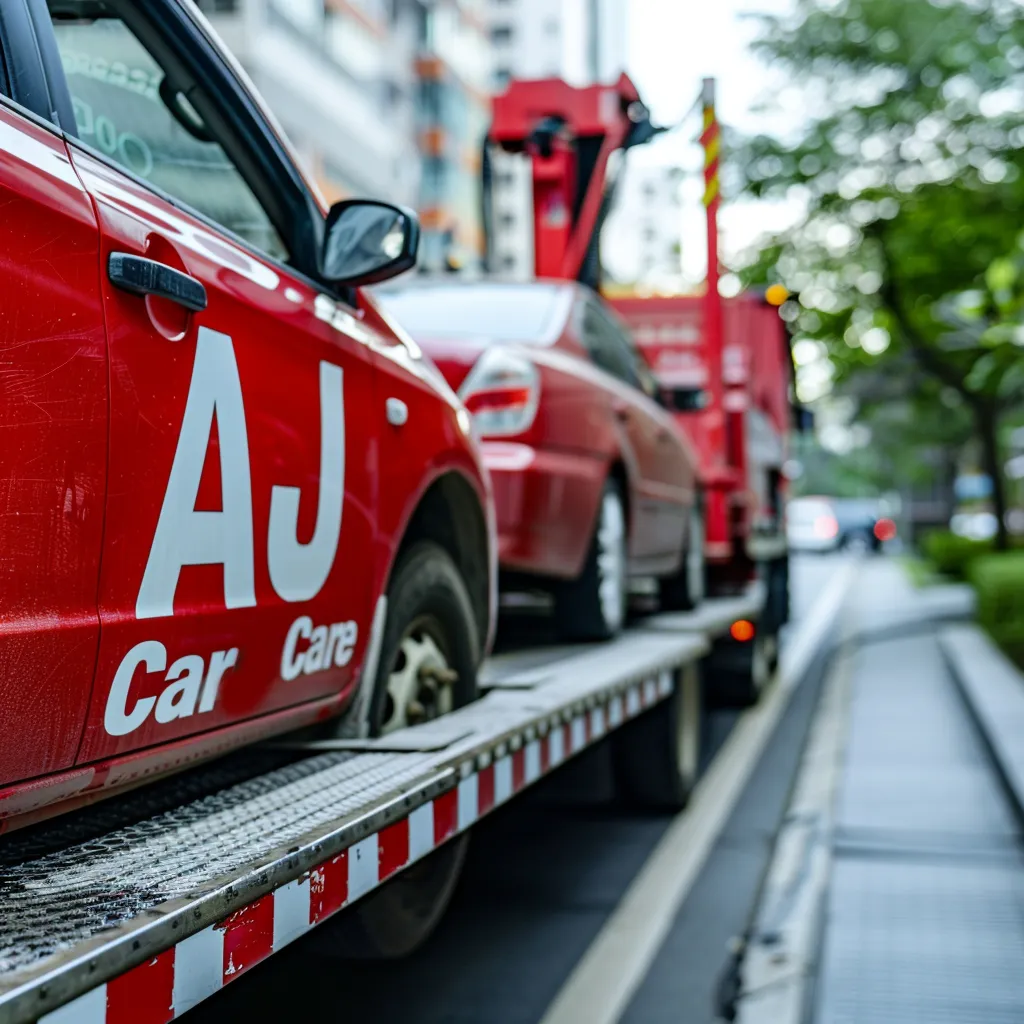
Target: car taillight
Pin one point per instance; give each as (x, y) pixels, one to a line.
(501, 392)
(885, 529)
(825, 527)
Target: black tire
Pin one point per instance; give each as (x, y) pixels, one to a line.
(657, 758)
(398, 917)
(580, 613)
(776, 611)
(687, 588)
(738, 673)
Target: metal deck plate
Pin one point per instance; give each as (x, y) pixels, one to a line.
(713, 617)
(178, 872)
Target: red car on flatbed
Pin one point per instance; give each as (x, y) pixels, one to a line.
(230, 491)
(593, 482)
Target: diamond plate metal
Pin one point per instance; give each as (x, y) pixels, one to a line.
(58, 900)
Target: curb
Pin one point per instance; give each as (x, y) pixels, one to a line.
(992, 689)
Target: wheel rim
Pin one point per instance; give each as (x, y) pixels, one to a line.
(611, 561)
(695, 558)
(421, 685)
(688, 725)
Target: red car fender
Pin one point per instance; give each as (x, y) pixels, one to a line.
(436, 443)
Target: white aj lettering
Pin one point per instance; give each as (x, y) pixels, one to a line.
(183, 535)
(186, 537)
(298, 571)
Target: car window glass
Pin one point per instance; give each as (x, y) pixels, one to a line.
(607, 347)
(528, 313)
(127, 107)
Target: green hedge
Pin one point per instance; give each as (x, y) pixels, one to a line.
(951, 554)
(999, 582)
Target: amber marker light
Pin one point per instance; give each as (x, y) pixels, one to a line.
(742, 630)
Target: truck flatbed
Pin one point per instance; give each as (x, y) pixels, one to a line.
(144, 921)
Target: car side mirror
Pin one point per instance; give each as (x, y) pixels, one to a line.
(366, 241)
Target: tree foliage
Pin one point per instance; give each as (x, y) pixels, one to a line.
(908, 268)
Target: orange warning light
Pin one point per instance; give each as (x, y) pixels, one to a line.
(742, 630)
(776, 294)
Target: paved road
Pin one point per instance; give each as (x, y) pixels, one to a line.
(542, 878)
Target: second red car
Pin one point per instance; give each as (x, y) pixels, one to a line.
(593, 481)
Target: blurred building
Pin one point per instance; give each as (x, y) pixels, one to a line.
(386, 98)
(454, 70)
(339, 76)
(641, 241)
(582, 41)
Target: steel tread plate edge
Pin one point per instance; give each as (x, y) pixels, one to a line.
(129, 925)
(713, 617)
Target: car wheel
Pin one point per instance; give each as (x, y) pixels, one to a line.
(593, 606)
(687, 588)
(657, 757)
(429, 659)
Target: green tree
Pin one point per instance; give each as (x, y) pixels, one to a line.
(908, 163)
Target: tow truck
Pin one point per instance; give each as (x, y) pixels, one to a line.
(137, 909)
(554, 157)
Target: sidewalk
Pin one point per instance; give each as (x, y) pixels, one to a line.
(904, 900)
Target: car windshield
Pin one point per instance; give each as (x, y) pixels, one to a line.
(499, 313)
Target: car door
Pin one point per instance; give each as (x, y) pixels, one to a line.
(53, 425)
(241, 499)
(660, 486)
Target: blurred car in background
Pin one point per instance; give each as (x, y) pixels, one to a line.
(862, 526)
(830, 524)
(593, 481)
(811, 525)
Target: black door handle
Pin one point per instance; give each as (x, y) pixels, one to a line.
(140, 276)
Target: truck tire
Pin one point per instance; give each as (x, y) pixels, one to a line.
(657, 758)
(687, 588)
(430, 654)
(739, 673)
(593, 606)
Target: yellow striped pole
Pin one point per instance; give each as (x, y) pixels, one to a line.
(713, 320)
(710, 139)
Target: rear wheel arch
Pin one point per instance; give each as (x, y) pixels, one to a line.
(450, 515)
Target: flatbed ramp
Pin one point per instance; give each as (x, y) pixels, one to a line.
(145, 921)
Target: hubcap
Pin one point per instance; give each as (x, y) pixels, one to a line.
(421, 685)
(611, 561)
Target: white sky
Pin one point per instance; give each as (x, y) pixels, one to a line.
(673, 44)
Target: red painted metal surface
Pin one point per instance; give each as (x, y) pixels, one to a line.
(173, 575)
(53, 459)
(564, 221)
(755, 380)
(258, 352)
